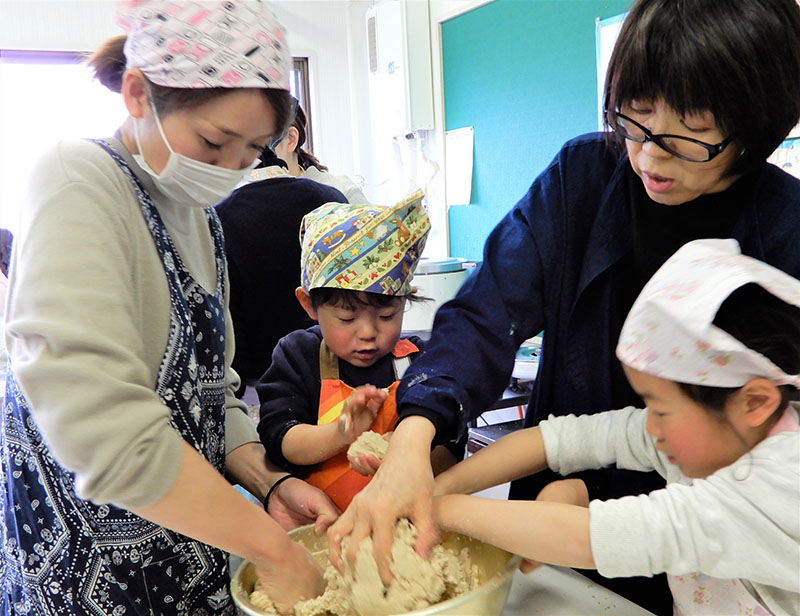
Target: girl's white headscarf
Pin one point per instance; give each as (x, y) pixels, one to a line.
(206, 43)
(669, 333)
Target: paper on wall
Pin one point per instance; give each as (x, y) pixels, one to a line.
(458, 165)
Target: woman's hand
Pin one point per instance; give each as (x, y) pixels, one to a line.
(202, 504)
(359, 411)
(295, 577)
(296, 503)
(402, 487)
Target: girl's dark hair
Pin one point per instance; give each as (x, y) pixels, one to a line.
(304, 158)
(738, 59)
(345, 298)
(764, 323)
(108, 64)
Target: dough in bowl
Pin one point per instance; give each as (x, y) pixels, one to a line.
(417, 583)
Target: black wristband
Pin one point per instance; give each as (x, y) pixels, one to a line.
(273, 488)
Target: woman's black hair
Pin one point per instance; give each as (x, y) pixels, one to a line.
(763, 323)
(738, 59)
(346, 298)
(305, 159)
(108, 64)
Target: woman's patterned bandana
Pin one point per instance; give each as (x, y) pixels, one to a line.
(669, 331)
(206, 43)
(370, 248)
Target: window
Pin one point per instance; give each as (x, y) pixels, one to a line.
(298, 85)
(49, 96)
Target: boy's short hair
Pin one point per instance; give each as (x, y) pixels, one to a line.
(368, 248)
(345, 298)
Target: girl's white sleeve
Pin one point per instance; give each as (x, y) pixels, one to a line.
(614, 438)
(741, 522)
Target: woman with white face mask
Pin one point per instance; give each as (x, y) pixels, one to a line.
(120, 425)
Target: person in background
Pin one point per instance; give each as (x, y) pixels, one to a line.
(302, 163)
(711, 346)
(119, 426)
(329, 383)
(260, 221)
(6, 241)
(698, 94)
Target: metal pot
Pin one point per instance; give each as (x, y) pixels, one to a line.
(495, 568)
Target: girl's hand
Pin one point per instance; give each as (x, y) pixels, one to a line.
(296, 577)
(527, 565)
(359, 411)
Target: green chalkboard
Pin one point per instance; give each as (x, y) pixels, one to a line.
(523, 74)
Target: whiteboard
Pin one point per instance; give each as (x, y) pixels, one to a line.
(606, 32)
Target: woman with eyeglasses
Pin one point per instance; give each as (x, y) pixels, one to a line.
(698, 94)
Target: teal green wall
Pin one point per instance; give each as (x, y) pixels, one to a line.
(523, 74)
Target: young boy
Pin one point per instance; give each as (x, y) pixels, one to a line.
(329, 383)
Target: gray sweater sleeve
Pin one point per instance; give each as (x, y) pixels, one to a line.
(731, 524)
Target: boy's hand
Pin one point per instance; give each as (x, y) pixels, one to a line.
(359, 411)
(366, 464)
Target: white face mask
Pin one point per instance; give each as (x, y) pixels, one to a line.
(186, 180)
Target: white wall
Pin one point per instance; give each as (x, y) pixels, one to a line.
(332, 33)
(389, 168)
(318, 29)
(323, 31)
(78, 25)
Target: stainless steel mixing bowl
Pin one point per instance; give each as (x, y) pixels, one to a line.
(495, 567)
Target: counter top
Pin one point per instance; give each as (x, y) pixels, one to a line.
(554, 591)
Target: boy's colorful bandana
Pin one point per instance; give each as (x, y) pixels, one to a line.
(370, 248)
(205, 43)
(669, 331)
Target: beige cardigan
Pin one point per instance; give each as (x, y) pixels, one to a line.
(87, 322)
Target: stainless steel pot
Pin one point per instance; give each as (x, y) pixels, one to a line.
(495, 568)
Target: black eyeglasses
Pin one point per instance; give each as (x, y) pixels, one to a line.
(684, 148)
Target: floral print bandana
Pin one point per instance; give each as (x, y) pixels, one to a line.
(206, 43)
(669, 332)
(370, 248)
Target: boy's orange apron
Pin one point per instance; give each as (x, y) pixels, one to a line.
(334, 476)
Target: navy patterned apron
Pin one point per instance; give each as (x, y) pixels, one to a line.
(65, 555)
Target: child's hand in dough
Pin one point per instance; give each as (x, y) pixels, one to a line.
(365, 463)
(359, 411)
